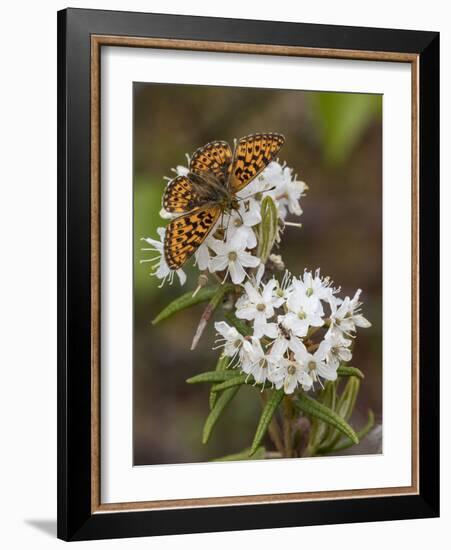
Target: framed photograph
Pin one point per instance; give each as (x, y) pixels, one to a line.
(248, 274)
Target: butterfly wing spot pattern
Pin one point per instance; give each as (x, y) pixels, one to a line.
(215, 158)
(252, 156)
(180, 196)
(215, 173)
(186, 233)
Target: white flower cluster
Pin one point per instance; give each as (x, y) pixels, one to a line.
(284, 318)
(235, 251)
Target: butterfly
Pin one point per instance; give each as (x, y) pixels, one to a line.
(209, 189)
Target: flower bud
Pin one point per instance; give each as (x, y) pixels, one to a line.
(276, 259)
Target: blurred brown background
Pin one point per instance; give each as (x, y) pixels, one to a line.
(334, 143)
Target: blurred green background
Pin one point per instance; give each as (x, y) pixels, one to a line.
(334, 144)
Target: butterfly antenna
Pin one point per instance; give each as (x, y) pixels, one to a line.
(256, 193)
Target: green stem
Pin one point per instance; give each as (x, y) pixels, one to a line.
(309, 450)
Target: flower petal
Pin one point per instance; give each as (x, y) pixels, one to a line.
(248, 260)
(237, 273)
(218, 263)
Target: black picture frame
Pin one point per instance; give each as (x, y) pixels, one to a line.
(76, 520)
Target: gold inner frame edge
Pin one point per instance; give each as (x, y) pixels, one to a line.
(97, 41)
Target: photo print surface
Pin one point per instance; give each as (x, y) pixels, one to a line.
(257, 274)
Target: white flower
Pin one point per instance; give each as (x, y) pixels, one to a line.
(290, 374)
(272, 177)
(312, 287)
(258, 186)
(289, 193)
(167, 215)
(160, 268)
(202, 256)
(283, 289)
(248, 212)
(347, 317)
(304, 312)
(232, 341)
(183, 170)
(299, 323)
(258, 305)
(242, 221)
(232, 257)
(258, 363)
(277, 261)
(315, 364)
(285, 337)
(284, 188)
(335, 348)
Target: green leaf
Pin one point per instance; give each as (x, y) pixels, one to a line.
(345, 444)
(329, 394)
(346, 402)
(236, 381)
(343, 118)
(243, 328)
(185, 301)
(243, 455)
(320, 430)
(221, 365)
(344, 407)
(350, 371)
(213, 376)
(222, 402)
(268, 229)
(317, 410)
(265, 418)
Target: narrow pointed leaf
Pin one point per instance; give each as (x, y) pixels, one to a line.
(344, 407)
(243, 455)
(230, 383)
(345, 443)
(187, 300)
(346, 402)
(241, 380)
(222, 402)
(221, 365)
(317, 410)
(213, 376)
(350, 371)
(265, 418)
(320, 430)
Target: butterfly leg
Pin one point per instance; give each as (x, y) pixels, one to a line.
(227, 228)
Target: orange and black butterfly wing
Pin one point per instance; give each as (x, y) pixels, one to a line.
(180, 196)
(252, 154)
(214, 158)
(186, 233)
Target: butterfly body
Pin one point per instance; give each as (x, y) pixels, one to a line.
(209, 190)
